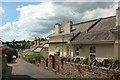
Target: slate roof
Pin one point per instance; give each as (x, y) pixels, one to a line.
(43, 47)
(99, 33)
(105, 24)
(78, 27)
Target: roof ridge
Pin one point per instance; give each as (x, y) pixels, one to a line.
(85, 22)
(108, 17)
(93, 20)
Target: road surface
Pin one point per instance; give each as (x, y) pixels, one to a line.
(22, 69)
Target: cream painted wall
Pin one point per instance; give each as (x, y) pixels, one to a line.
(102, 50)
(56, 39)
(61, 38)
(62, 46)
(63, 49)
(117, 50)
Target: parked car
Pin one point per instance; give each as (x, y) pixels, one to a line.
(14, 58)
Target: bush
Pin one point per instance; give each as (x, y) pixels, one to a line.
(33, 57)
(111, 61)
(9, 53)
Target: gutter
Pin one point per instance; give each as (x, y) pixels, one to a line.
(94, 42)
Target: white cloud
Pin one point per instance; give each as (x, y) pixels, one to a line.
(38, 20)
(59, 0)
(2, 12)
(98, 13)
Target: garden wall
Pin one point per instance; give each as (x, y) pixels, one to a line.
(73, 70)
(77, 70)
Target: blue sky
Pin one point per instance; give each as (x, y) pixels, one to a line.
(10, 10)
(26, 20)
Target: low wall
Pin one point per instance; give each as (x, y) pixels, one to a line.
(74, 70)
(40, 63)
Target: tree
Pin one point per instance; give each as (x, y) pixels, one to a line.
(42, 39)
(9, 53)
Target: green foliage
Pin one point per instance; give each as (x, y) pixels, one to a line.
(10, 52)
(4, 71)
(43, 39)
(111, 61)
(33, 57)
(20, 44)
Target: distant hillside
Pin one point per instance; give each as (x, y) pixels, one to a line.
(19, 44)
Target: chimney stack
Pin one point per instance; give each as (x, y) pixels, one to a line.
(68, 26)
(38, 41)
(118, 17)
(35, 41)
(57, 28)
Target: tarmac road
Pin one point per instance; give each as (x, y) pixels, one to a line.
(23, 69)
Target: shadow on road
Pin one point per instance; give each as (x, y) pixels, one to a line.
(20, 77)
(7, 72)
(8, 75)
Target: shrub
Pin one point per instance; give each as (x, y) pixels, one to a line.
(33, 57)
(9, 53)
(111, 61)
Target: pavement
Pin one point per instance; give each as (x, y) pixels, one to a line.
(23, 69)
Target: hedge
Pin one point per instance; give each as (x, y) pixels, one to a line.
(33, 57)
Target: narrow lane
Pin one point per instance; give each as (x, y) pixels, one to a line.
(22, 69)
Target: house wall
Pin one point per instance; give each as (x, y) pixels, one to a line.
(56, 39)
(117, 50)
(62, 46)
(63, 49)
(61, 38)
(102, 51)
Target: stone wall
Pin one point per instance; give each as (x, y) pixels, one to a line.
(40, 63)
(73, 70)
(77, 70)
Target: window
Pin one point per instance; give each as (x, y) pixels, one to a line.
(77, 50)
(92, 49)
(92, 53)
(57, 49)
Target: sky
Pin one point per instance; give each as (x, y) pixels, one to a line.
(25, 20)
